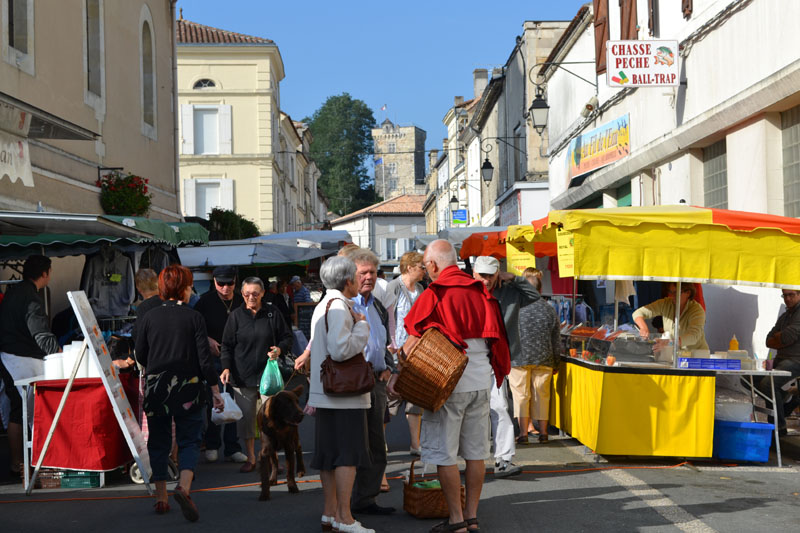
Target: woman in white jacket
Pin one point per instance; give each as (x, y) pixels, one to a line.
(340, 437)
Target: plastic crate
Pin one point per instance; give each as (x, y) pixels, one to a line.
(741, 441)
(701, 363)
(80, 480)
(48, 478)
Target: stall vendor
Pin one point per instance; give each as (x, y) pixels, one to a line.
(691, 332)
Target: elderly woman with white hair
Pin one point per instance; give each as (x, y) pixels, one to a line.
(340, 437)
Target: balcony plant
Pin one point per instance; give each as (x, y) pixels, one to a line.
(124, 194)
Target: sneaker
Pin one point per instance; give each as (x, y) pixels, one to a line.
(212, 456)
(237, 457)
(355, 527)
(506, 469)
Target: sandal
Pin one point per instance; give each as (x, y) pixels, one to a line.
(385, 488)
(162, 507)
(472, 522)
(522, 440)
(543, 438)
(442, 527)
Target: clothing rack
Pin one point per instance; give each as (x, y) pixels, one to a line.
(114, 323)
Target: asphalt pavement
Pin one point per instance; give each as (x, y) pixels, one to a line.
(564, 487)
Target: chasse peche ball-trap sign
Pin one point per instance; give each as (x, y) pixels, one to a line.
(642, 64)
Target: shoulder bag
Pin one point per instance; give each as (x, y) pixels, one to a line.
(346, 378)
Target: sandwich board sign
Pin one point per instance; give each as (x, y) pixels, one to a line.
(110, 376)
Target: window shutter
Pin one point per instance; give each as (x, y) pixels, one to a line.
(383, 249)
(225, 143)
(189, 197)
(686, 8)
(628, 20)
(187, 130)
(226, 194)
(600, 34)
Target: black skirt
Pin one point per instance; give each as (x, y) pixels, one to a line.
(340, 439)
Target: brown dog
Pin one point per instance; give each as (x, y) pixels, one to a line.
(278, 419)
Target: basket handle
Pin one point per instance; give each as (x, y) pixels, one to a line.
(411, 480)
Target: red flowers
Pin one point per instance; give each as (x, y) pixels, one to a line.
(124, 194)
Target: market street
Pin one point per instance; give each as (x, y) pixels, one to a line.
(561, 489)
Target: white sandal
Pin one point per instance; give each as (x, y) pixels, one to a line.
(328, 522)
(355, 527)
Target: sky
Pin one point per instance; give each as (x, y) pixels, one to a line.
(411, 56)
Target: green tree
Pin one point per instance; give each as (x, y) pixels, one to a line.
(225, 224)
(341, 143)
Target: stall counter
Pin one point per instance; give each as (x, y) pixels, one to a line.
(635, 411)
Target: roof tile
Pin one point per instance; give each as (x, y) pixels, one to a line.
(406, 204)
(194, 33)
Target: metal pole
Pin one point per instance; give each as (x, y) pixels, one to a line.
(775, 419)
(675, 336)
(574, 290)
(57, 416)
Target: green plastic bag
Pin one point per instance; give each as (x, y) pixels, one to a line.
(271, 379)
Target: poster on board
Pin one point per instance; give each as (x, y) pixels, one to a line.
(110, 377)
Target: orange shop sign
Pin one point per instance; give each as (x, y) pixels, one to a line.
(642, 64)
(599, 147)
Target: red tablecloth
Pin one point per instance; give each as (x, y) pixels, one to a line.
(87, 436)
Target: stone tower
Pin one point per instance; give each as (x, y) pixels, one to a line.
(399, 159)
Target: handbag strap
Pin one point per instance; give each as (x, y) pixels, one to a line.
(328, 308)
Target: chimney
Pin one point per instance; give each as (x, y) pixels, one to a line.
(497, 72)
(433, 156)
(458, 100)
(444, 144)
(480, 79)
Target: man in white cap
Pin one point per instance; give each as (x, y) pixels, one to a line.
(513, 293)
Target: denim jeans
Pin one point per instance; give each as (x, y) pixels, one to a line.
(789, 365)
(188, 430)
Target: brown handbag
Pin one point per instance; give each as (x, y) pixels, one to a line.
(346, 378)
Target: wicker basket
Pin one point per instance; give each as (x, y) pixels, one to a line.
(426, 503)
(431, 371)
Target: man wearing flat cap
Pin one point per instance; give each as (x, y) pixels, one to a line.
(301, 293)
(215, 306)
(513, 293)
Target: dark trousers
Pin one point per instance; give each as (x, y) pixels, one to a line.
(188, 429)
(789, 365)
(215, 435)
(368, 479)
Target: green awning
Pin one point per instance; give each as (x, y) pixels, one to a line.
(174, 233)
(190, 233)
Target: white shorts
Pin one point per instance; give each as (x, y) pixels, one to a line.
(460, 428)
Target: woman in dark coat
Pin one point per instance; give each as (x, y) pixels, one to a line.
(172, 345)
(254, 333)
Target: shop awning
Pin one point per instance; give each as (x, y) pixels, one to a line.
(243, 253)
(172, 233)
(312, 238)
(671, 243)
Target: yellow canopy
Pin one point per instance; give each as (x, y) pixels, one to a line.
(671, 243)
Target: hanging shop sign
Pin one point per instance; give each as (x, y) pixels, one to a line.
(599, 147)
(15, 161)
(460, 216)
(642, 64)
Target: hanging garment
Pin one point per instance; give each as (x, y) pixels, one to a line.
(107, 280)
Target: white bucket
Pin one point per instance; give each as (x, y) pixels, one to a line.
(53, 366)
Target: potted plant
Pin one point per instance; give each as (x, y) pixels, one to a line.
(122, 194)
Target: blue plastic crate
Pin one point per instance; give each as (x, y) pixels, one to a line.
(701, 363)
(742, 441)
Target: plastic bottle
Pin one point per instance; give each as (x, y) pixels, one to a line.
(734, 344)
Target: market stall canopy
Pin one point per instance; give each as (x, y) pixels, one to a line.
(241, 253)
(676, 243)
(328, 239)
(172, 233)
(456, 236)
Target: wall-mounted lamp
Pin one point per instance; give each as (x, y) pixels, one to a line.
(453, 203)
(537, 112)
(486, 168)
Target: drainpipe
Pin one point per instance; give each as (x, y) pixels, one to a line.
(175, 109)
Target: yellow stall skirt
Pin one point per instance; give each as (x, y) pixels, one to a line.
(622, 411)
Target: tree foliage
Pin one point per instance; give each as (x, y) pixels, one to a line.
(229, 225)
(341, 143)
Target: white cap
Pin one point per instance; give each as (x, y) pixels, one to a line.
(486, 265)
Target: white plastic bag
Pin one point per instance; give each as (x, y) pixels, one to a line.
(232, 412)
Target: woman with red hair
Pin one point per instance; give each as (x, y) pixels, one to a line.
(172, 345)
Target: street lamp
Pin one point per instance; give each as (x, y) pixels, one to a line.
(537, 112)
(453, 203)
(487, 170)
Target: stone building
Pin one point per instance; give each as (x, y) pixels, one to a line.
(399, 159)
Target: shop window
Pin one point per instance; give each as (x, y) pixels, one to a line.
(715, 176)
(601, 34)
(790, 125)
(628, 21)
(205, 83)
(147, 70)
(94, 47)
(624, 195)
(18, 42)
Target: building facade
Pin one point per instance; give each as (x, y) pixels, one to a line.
(234, 152)
(85, 86)
(399, 159)
(724, 135)
(387, 228)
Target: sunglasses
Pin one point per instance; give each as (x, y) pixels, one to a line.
(224, 283)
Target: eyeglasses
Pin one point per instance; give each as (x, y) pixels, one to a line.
(224, 283)
(251, 294)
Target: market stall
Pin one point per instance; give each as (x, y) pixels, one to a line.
(637, 407)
